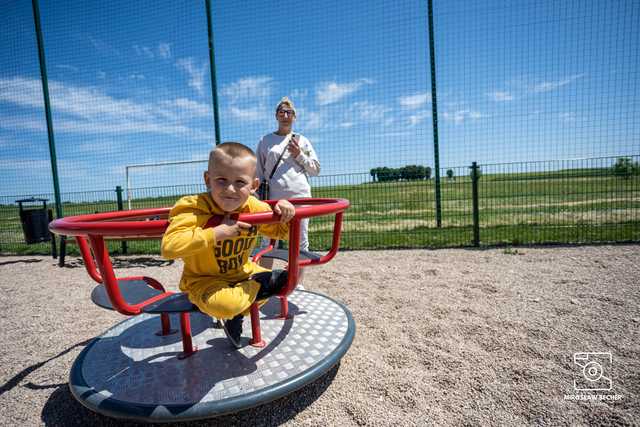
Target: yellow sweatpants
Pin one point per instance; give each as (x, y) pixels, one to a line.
(224, 300)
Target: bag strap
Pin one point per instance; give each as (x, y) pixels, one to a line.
(291, 135)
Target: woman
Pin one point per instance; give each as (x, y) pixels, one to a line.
(286, 160)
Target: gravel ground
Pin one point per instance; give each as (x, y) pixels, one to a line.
(445, 337)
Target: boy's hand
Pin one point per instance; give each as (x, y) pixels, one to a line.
(285, 209)
(230, 228)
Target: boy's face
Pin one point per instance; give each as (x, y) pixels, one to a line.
(231, 181)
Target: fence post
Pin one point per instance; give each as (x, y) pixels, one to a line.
(434, 114)
(474, 200)
(212, 64)
(47, 107)
(120, 208)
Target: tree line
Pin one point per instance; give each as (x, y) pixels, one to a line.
(624, 167)
(407, 173)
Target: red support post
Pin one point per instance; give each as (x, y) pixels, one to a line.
(293, 267)
(185, 328)
(256, 335)
(284, 308)
(89, 263)
(109, 278)
(166, 323)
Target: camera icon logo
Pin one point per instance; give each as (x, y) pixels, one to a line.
(593, 371)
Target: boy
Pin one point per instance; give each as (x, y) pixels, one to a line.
(218, 275)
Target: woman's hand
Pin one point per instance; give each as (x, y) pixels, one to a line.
(285, 209)
(229, 228)
(294, 147)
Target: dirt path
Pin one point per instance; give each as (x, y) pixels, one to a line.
(445, 337)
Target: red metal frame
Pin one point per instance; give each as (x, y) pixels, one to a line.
(136, 224)
(257, 256)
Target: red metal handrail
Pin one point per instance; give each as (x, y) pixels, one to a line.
(118, 224)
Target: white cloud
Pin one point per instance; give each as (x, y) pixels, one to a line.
(299, 95)
(21, 91)
(332, 92)
(311, 120)
(25, 165)
(569, 117)
(248, 98)
(346, 125)
(499, 96)
(23, 123)
(248, 88)
(548, 86)
(418, 117)
(143, 51)
(460, 116)
(67, 67)
(249, 114)
(195, 72)
(368, 112)
(102, 46)
(417, 100)
(164, 50)
(89, 110)
(193, 108)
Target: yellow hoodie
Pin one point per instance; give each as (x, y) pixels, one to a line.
(215, 272)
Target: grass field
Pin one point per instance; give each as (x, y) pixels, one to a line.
(514, 208)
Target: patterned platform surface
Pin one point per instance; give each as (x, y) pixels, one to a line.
(130, 372)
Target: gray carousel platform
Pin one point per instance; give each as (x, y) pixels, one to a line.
(130, 372)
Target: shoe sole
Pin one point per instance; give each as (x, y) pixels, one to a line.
(233, 342)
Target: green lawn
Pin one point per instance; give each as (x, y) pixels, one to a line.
(558, 207)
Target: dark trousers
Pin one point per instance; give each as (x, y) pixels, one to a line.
(271, 283)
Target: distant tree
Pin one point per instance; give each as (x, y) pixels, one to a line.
(450, 174)
(374, 174)
(407, 173)
(624, 167)
(384, 174)
(412, 172)
(427, 172)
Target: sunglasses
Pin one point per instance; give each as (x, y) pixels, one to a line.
(289, 112)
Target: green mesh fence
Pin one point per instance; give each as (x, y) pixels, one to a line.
(576, 201)
(136, 98)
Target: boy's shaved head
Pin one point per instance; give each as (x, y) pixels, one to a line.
(229, 151)
(231, 176)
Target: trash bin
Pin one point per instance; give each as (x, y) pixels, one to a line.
(35, 221)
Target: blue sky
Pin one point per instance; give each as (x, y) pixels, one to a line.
(130, 84)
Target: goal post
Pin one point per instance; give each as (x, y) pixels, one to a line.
(189, 175)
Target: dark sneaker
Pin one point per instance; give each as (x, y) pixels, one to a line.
(233, 330)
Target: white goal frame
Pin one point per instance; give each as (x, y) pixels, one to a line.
(127, 168)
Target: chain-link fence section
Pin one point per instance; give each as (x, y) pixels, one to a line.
(389, 93)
